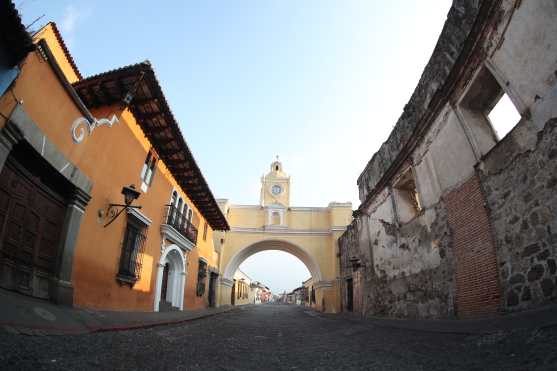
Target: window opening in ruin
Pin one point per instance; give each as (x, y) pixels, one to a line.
(406, 197)
(503, 116)
(487, 111)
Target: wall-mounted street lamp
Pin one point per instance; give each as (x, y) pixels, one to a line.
(355, 262)
(130, 194)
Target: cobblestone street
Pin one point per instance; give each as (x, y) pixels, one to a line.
(280, 337)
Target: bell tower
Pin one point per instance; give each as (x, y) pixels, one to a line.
(275, 186)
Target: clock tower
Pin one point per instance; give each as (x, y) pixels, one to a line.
(275, 187)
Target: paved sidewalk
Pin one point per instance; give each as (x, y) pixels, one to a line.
(26, 315)
(543, 317)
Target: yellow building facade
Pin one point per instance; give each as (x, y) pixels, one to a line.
(69, 146)
(309, 233)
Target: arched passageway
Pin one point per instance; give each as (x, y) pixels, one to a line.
(322, 286)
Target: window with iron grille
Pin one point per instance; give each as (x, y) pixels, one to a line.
(201, 275)
(131, 259)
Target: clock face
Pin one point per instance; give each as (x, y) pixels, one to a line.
(276, 190)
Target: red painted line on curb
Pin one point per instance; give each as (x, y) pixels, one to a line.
(92, 329)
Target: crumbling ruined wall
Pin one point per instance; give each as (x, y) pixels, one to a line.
(485, 237)
(519, 175)
(460, 20)
(521, 194)
(350, 247)
(414, 272)
(404, 271)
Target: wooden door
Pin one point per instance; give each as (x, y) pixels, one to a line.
(349, 295)
(164, 286)
(233, 294)
(212, 291)
(31, 219)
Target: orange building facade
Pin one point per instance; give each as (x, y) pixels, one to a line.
(68, 148)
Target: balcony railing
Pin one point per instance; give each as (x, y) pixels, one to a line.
(179, 222)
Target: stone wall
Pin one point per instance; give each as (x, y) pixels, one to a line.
(455, 220)
(521, 194)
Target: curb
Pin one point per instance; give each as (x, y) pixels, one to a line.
(540, 318)
(379, 323)
(156, 324)
(88, 329)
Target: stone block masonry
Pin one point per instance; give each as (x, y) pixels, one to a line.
(522, 198)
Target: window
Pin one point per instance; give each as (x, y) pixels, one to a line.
(174, 198)
(131, 259)
(205, 231)
(503, 116)
(148, 170)
(406, 197)
(487, 111)
(201, 275)
(172, 210)
(179, 206)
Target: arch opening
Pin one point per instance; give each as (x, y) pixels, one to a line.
(278, 270)
(265, 245)
(170, 279)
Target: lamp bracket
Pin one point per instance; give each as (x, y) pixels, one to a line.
(114, 211)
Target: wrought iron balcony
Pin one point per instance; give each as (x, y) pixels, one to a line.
(180, 223)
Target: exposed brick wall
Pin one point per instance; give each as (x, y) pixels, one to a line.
(477, 283)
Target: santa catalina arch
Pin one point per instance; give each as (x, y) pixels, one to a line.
(309, 233)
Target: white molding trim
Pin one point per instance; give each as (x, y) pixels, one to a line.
(276, 227)
(275, 206)
(309, 208)
(139, 216)
(246, 207)
(281, 231)
(226, 282)
(340, 204)
(298, 208)
(168, 232)
(322, 284)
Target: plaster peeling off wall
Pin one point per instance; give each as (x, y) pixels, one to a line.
(405, 251)
(406, 271)
(414, 274)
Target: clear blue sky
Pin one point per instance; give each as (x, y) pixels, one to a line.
(319, 82)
